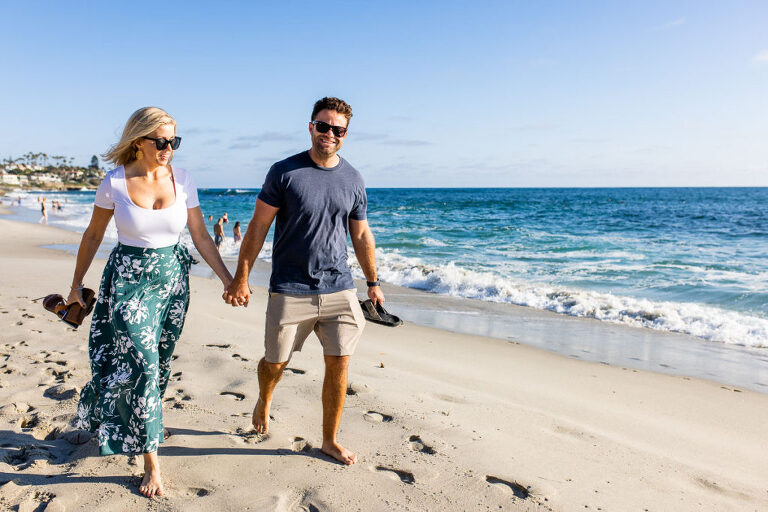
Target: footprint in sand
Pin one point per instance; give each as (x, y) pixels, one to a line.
(239, 357)
(405, 476)
(176, 377)
(250, 436)
(29, 421)
(197, 491)
(518, 490)
(27, 455)
(40, 500)
(417, 445)
(299, 444)
(377, 417)
(61, 392)
(214, 345)
(295, 371)
(237, 396)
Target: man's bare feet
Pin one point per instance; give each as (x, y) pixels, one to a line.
(260, 418)
(151, 484)
(339, 453)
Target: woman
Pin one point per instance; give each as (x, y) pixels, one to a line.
(236, 232)
(218, 233)
(144, 291)
(44, 213)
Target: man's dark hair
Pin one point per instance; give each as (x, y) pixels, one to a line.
(331, 103)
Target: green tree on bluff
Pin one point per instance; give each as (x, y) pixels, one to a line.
(94, 162)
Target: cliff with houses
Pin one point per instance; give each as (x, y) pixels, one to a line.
(43, 172)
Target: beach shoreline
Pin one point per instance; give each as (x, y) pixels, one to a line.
(580, 338)
(439, 420)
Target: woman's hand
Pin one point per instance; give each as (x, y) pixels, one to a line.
(76, 295)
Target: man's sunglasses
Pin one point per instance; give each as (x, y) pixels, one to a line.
(323, 127)
(161, 143)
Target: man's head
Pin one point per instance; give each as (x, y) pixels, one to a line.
(328, 128)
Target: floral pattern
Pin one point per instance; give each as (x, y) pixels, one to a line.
(139, 314)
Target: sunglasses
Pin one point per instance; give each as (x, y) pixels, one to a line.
(323, 127)
(161, 143)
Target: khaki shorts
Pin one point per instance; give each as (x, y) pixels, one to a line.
(336, 319)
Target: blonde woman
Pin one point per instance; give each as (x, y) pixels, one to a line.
(144, 291)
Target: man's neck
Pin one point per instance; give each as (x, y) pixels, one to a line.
(323, 160)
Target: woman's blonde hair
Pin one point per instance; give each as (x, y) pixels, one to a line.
(141, 123)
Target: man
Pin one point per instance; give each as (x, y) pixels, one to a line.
(318, 198)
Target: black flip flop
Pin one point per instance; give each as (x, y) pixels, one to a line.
(377, 314)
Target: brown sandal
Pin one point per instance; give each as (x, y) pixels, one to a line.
(74, 314)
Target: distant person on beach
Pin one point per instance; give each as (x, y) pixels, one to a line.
(225, 218)
(218, 233)
(236, 232)
(44, 212)
(318, 199)
(144, 292)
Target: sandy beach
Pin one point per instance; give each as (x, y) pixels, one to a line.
(439, 420)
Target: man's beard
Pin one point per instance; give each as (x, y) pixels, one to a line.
(326, 150)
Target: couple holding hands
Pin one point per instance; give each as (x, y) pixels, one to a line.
(317, 199)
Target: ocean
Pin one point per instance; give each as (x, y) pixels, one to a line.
(685, 260)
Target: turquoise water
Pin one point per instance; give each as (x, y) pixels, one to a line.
(684, 260)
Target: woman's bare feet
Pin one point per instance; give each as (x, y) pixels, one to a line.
(151, 484)
(338, 452)
(260, 418)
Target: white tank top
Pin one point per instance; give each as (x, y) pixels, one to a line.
(144, 227)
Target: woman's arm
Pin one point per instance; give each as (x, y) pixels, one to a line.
(205, 246)
(89, 244)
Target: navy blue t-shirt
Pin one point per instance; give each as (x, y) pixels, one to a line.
(309, 255)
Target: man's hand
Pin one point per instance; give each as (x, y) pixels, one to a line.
(375, 294)
(238, 293)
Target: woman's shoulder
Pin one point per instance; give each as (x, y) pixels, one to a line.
(117, 172)
(181, 175)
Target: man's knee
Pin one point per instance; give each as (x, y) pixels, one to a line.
(271, 369)
(336, 363)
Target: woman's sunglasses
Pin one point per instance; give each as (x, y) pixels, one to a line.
(161, 143)
(323, 127)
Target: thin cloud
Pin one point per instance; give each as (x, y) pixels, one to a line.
(406, 142)
(244, 145)
(762, 56)
(385, 139)
(361, 136)
(267, 137)
(672, 24)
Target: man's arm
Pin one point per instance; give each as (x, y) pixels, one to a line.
(238, 293)
(365, 250)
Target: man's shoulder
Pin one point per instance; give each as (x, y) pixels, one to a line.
(351, 171)
(297, 161)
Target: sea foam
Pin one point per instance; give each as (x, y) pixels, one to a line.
(709, 323)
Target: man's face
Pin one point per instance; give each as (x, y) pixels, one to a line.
(327, 144)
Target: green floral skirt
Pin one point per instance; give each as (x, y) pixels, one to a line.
(143, 299)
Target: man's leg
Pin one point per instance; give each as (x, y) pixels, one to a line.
(334, 393)
(289, 320)
(269, 375)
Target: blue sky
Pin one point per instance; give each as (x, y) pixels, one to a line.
(458, 94)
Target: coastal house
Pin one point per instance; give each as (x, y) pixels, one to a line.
(46, 178)
(12, 179)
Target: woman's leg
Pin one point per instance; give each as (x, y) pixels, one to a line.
(151, 484)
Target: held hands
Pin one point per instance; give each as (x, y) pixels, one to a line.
(238, 293)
